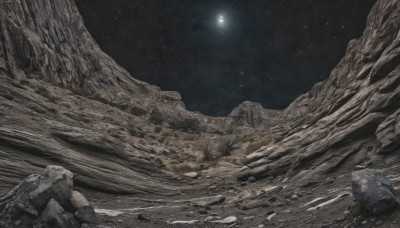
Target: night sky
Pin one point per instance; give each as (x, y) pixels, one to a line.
(219, 53)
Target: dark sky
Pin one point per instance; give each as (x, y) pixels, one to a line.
(267, 51)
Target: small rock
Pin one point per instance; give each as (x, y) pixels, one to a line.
(329, 180)
(227, 220)
(364, 222)
(255, 204)
(18, 223)
(185, 222)
(251, 179)
(261, 226)
(272, 199)
(360, 167)
(192, 175)
(208, 201)
(142, 218)
(294, 197)
(203, 211)
(373, 191)
(55, 182)
(86, 214)
(269, 218)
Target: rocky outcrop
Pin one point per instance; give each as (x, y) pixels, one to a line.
(43, 201)
(350, 118)
(254, 115)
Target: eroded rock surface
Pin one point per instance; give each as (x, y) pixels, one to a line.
(347, 120)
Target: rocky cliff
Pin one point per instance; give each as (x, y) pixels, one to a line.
(349, 119)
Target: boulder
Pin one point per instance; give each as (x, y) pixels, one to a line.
(55, 182)
(373, 191)
(56, 217)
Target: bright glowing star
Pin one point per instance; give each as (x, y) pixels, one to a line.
(221, 20)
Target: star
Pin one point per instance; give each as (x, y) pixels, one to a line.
(221, 20)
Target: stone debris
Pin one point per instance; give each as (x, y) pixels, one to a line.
(47, 200)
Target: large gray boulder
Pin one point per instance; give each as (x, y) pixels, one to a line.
(373, 191)
(56, 182)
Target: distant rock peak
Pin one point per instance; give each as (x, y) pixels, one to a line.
(255, 115)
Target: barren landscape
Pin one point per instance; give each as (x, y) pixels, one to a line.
(143, 160)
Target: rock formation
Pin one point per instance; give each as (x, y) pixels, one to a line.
(255, 115)
(349, 119)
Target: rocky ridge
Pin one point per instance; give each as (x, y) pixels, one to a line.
(349, 119)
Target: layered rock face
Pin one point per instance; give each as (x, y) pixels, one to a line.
(63, 101)
(351, 118)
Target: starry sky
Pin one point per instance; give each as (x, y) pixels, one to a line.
(219, 53)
